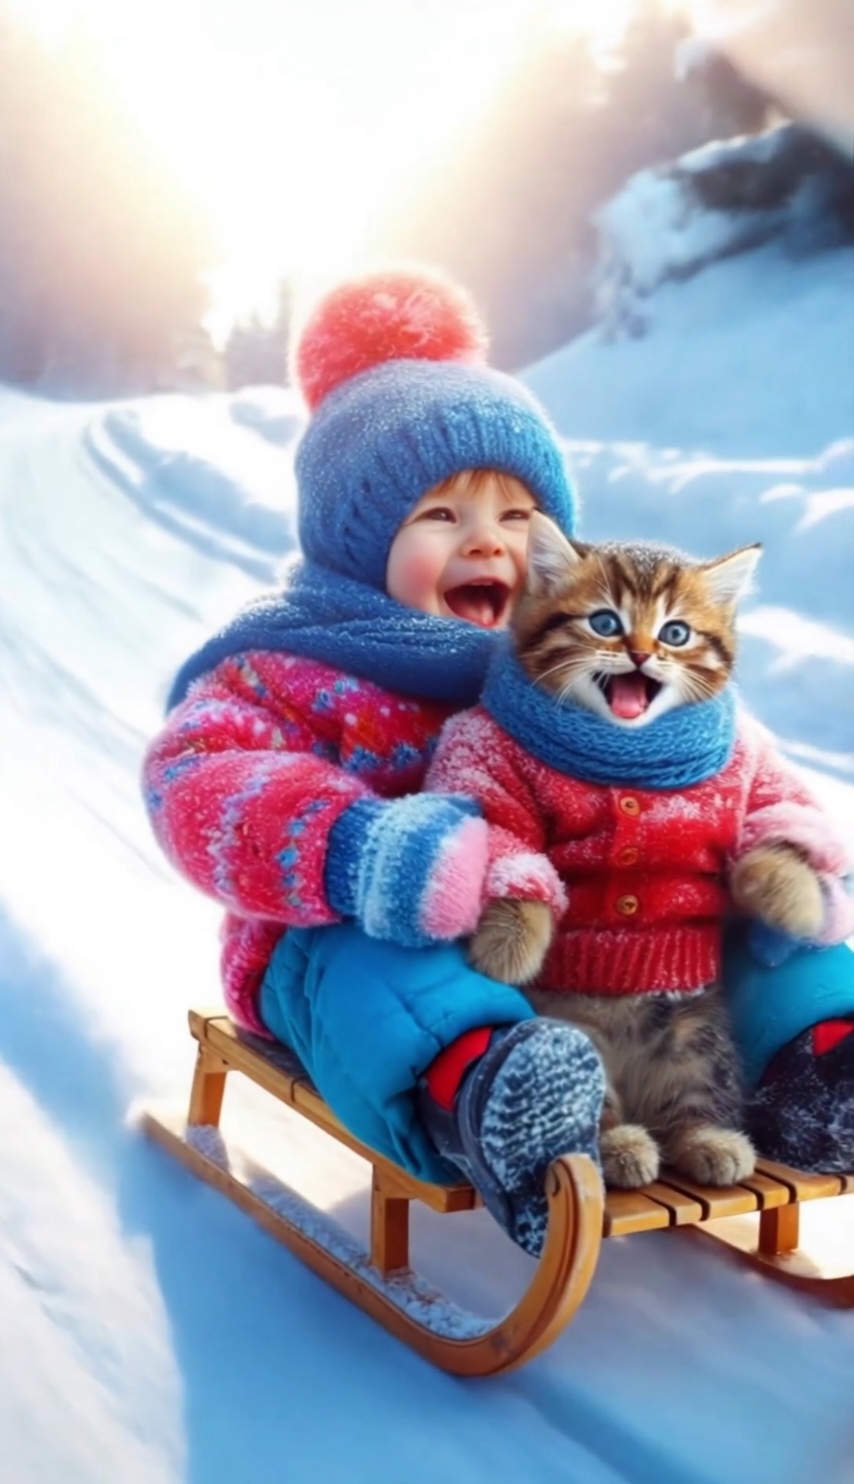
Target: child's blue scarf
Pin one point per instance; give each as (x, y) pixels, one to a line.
(324, 616)
(677, 749)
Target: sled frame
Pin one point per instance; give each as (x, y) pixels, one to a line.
(381, 1280)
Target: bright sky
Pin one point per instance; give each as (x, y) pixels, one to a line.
(293, 121)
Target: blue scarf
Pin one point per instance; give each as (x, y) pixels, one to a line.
(358, 629)
(679, 748)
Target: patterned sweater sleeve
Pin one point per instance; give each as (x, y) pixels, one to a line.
(781, 810)
(242, 797)
(476, 758)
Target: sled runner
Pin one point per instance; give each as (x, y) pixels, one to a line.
(382, 1282)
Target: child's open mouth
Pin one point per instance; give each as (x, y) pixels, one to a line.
(628, 695)
(485, 603)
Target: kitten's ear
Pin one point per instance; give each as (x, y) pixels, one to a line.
(551, 557)
(729, 579)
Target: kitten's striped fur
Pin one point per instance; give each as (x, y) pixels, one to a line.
(647, 587)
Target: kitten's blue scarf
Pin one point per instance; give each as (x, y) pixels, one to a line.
(356, 628)
(681, 747)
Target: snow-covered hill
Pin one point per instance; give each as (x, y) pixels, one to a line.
(151, 1334)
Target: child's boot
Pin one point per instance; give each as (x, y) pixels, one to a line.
(535, 1092)
(802, 1112)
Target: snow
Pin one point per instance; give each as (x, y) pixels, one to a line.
(730, 423)
(676, 239)
(669, 222)
(152, 1334)
(415, 1298)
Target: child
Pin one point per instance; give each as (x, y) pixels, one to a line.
(284, 783)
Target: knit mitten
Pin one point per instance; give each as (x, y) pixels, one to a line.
(411, 870)
(802, 1112)
(536, 1092)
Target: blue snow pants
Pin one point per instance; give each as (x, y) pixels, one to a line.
(769, 1007)
(366, 1018)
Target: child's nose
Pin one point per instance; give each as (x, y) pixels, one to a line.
(484, 537)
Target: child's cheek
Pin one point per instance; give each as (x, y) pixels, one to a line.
(416, 576)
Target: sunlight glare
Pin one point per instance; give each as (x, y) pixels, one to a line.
(296, 124)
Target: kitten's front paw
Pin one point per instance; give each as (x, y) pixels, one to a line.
(713, 1156)
(511, 940)
(629, 1155)
(775, 884)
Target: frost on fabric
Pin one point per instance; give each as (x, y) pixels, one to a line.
(451, 903)
(412, 1295)
(527, 874)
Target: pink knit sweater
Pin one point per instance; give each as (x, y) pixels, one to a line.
(249, 775)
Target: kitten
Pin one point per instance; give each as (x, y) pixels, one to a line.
(630, 632)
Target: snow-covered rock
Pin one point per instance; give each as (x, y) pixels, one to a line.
(722, 199)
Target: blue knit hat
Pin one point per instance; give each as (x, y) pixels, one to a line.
(392, 367)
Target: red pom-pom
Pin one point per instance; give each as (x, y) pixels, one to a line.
(395, 315)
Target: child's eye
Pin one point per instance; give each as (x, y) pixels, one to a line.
(437, 512)
(522, 513)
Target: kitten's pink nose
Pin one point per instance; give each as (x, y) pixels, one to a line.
(640, 656)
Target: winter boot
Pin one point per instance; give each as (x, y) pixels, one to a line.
(802, 1112)
(535, 1092)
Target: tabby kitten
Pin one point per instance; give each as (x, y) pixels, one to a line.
(630, 632)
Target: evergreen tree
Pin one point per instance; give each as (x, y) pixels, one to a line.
(257, 349)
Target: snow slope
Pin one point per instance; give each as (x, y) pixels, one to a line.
(151, 1335)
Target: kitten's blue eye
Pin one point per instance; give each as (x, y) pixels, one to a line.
(605, 623)
(675, 633)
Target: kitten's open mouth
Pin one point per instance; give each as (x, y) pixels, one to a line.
(628, 695)
(483, 603)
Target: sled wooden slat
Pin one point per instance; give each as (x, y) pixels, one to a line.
(380, 1280)
(628, 1211)
(715, 1201)
(769, 1193)
(683, 1209)
(803, 1187)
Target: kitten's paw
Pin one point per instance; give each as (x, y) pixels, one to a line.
(629, 1155)
(511, 940)
(775, 884)
(713, 1156)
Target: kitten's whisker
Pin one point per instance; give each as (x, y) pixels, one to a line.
(695, 688)
(564, 664)
(567, 689)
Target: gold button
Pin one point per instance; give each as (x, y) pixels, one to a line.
(629, 805)
(628, 856)
(627, 906)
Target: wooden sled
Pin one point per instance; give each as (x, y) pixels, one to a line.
(382, 1282)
